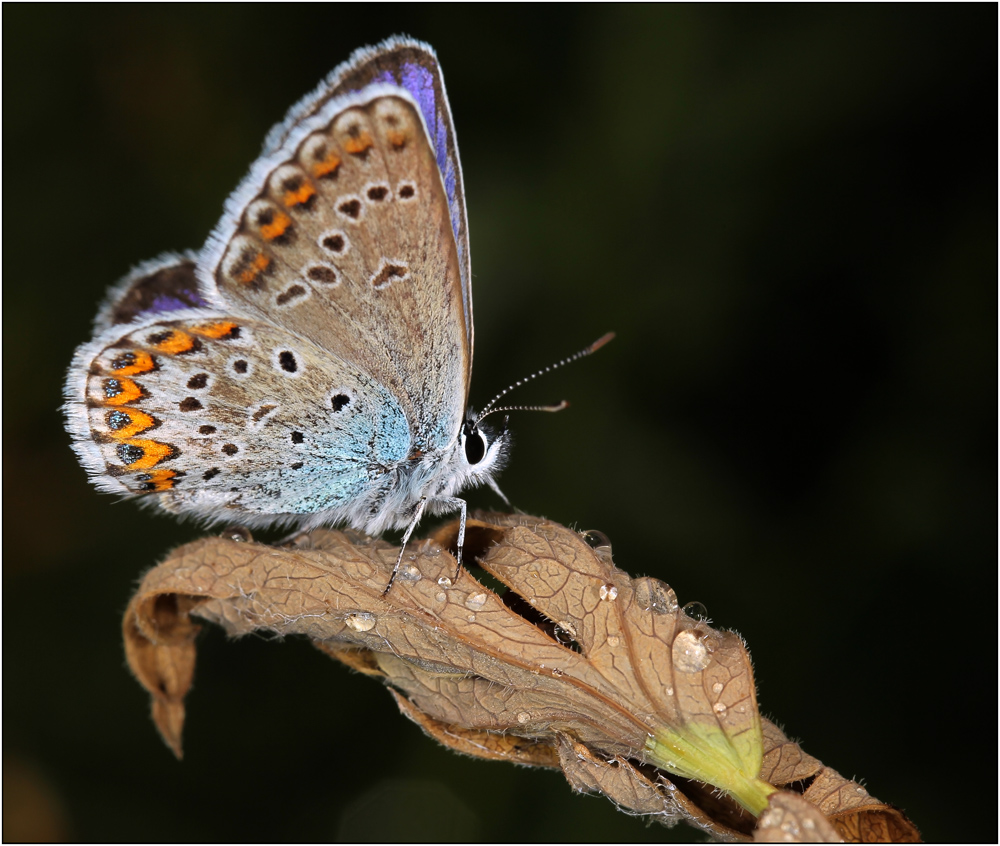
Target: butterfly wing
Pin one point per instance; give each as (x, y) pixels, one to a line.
(164, 284)
(322, 336)
(228, 418)
(411, 65)
(343, 237)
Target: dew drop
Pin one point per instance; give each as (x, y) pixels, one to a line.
(608, 593)
(689, 653)
(475, 601)
(697, 611)
(440, 596)
(409, 573)
(523, 717)
(669, 691)
(653, 595)
(445, 582)
(595, 539)
(557, 673)
(717, 687)
(719, 708)
(471, 618)
(613, 641)
(240, 534)
(361, 621)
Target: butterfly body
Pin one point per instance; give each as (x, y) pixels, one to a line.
(311, 364)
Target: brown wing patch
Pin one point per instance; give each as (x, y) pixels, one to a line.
(323, 248)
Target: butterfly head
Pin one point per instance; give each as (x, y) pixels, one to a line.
(483, 448)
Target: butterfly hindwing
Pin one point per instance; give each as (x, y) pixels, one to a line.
(227, 417)
(164, 284)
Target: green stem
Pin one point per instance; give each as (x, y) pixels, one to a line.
(706, 755)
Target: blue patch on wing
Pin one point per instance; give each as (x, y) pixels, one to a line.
(337, 465)
(165, 302)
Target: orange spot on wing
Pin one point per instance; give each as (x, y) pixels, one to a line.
(215, 330)
(300, 196)
(277, 227)
(327, 166)
(177, 342)
(140, 422)
(160, 480)
(142, 362)
(129, 392)
(358, 145)
(257, 266)
(396, 138)
(153, 453)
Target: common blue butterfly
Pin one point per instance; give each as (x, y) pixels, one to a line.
(310, 364)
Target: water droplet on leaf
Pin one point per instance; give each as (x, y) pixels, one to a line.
(594, 539)
(653, 595)
(689, 653)
(475, 601)
(409, 573)
(361, 621)
(240, 534)
(697, 611)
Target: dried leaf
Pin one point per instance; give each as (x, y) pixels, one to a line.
(784, 762)
(482, 744)
(791, 819)
(573, 665)
(159, 647)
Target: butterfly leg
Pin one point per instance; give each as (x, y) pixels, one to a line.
(455, 502)
(417, 514)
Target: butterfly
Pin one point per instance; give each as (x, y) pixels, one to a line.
(310, 365)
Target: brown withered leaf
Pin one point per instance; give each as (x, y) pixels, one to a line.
(574, 665)
(790, 818)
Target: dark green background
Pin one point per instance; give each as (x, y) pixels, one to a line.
(789, 216)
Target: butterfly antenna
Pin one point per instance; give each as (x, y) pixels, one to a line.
(489, 407)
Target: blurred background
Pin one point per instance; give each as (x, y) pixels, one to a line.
(788, 215)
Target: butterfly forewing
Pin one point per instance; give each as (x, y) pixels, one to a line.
(348, 243)
(411, 65)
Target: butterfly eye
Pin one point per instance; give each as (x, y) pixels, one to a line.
(475, 447)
